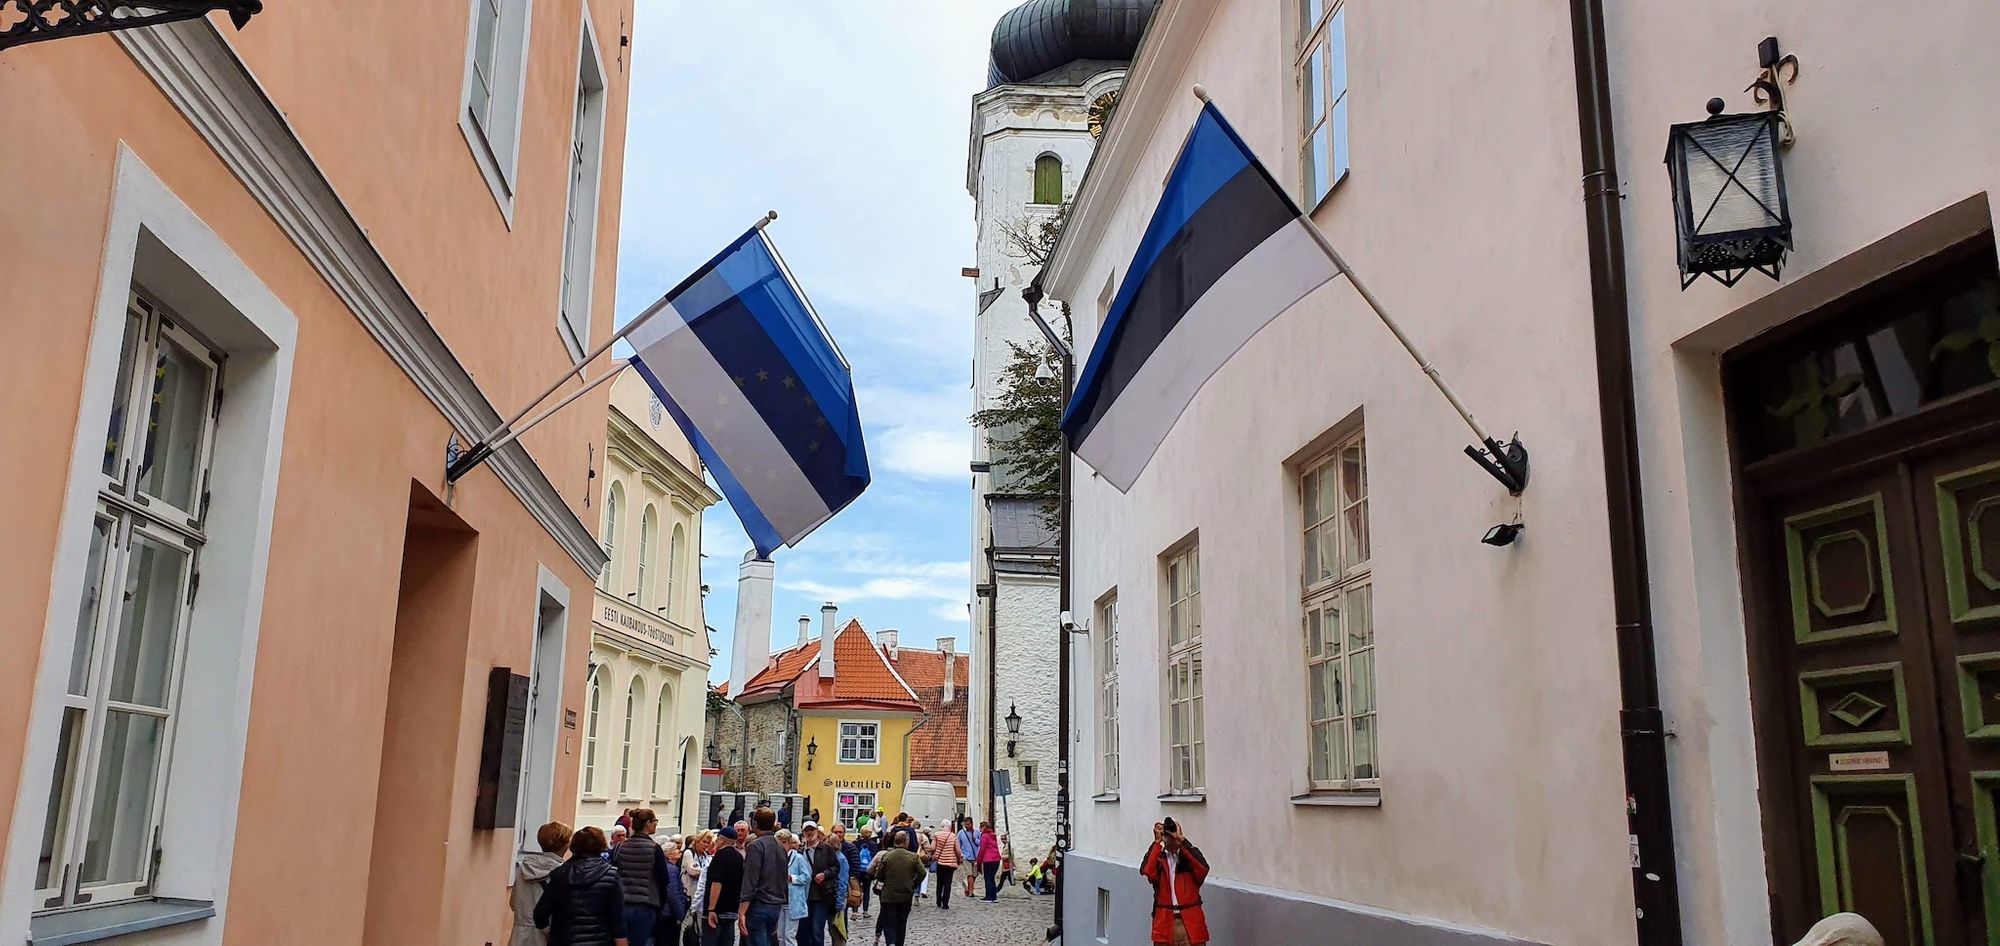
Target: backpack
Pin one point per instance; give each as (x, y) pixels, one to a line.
(867, 856)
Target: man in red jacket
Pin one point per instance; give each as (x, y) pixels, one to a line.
(1176, 870)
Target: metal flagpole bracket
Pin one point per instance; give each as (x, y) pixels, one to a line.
(1506, 462)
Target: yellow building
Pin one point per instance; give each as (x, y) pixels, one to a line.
(642, 721)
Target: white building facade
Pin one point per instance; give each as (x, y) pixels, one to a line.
(1031, 137)
(642, 728)
(1379, 729)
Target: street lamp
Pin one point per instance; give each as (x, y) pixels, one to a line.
(1013, 728)
(812, 749)
(1731, 214)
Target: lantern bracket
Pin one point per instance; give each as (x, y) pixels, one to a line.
(1774, 72)
(32, 21)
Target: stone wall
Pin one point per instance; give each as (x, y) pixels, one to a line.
(761, 761)
(1026, 670)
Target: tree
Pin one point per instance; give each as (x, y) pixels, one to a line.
(1025, 423)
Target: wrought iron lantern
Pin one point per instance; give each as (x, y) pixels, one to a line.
(1730, 208)
(812, 749)
(32, 21)
(1013, 718)
(1729, 195)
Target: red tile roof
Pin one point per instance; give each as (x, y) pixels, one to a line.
(862, 678)
(937, 749)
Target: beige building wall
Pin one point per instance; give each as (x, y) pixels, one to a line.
(643, 726)
(302, 192)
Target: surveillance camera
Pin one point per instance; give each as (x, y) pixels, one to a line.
(1503, 534)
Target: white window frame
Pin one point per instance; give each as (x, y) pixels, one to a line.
(614, 499)
(593, 704)
(1340, 530)
(1186, 762)
(1029, 775)
(1321, 54)
(867, 736)
(1107, 692)
(493, 132)
(131, 514)
(649, 528)
(635, 701)
(584, 184)
(663, 708)
(845, 814)
(676, 550)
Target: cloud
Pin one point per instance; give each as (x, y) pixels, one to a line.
(876, 577)
(919, 433)
(952, 611)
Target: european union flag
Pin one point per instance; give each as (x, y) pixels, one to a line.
(740, 360)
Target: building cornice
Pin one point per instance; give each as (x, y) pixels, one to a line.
(200, 73)
(648, 458)
(1151, 86)
(1034, 95)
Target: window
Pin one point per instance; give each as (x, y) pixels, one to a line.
(1107, 693)
(1322, 80)
(847, 806)
(496, 64)
(1339, 620)
(648, 525)
(1185, 774)
(632, 695)
(590, 733)
(675, 551)
(1048, 179)
(100, 834)
(1028, 773)
(586, 144)
(660, 736)
(614, 501)
(857, 743)
(733, 758)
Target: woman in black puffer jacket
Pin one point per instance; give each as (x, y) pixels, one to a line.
(582, 904)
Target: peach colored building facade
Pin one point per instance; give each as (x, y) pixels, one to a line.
(339, 238)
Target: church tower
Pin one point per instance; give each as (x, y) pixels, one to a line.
(1056, 69)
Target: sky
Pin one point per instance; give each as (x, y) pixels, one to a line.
(850, 120)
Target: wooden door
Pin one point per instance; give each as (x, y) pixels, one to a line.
(1957, 495)
(1848, 628)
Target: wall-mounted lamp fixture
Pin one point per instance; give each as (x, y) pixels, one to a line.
(812, 749)
(1730, 209)
(1013, 728)
(1503, 534)
(981, 466)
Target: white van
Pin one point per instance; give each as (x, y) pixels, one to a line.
(933, 804)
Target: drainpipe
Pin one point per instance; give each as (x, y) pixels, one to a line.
(922, 720)
(1033, 295)
(992, 677)
(1655, 890)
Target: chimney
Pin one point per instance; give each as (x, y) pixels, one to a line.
(826, 632)
(949, 645)
(751, 649)
(888, 636)
(805, 628)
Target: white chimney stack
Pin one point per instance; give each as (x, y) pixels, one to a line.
(949, 645)
(826, 632)
(888, 636)
(752, 645)
(805, 628)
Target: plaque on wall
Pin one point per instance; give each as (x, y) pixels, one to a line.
(500, 750)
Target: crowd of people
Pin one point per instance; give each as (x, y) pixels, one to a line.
(752, 880)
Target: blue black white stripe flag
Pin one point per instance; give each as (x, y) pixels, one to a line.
(1226, 252)
(741, 361)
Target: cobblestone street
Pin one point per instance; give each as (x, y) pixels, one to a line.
(1016, 920)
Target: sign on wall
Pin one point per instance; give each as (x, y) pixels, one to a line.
(500, 750)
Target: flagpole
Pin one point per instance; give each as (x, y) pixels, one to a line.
(486, 444)
(1506, 462)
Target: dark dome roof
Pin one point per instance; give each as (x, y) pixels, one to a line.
(1042, 35)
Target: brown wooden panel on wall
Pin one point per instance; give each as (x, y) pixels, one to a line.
(500, 750)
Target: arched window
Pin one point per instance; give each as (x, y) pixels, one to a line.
(614, 500)
(661, 734)
(1048, 180)
(674, 550)
(648, 525)
(590, 733)
(625, 744)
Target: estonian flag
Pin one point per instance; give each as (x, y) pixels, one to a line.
(1225, 253)
(740, 360)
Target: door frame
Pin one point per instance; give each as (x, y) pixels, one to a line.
(1949, 423)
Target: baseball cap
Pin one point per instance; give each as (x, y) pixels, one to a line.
(729, 832)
